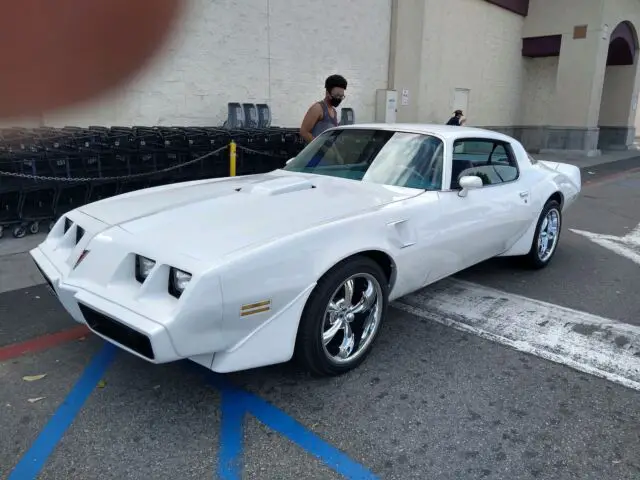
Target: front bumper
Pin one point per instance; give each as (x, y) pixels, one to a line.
(128, 330)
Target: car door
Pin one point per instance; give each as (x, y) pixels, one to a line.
(488, 220)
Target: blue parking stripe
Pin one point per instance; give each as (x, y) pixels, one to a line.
(231, 441)
(288, 427)
(282, 423)
(34, 459)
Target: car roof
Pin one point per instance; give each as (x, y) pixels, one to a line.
(449, 132)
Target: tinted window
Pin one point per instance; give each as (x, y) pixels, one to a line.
(492, 161)
(378, 156)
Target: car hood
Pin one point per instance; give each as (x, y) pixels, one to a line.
(219, 216)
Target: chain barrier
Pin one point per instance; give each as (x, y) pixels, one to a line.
(116, 178)
(258, 152)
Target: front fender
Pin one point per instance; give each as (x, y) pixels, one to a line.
(277, 273)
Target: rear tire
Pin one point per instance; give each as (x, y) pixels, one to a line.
(342, 318)
(546, 237)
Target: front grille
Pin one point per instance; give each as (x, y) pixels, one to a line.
(116, 331)
(46, 279)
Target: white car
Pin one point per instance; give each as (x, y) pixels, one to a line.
(241, 272)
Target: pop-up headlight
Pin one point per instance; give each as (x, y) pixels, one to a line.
(144, 266)
(178, 281)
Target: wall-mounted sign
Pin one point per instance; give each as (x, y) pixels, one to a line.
(405, 97)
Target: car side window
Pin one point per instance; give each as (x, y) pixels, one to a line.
(491, 160)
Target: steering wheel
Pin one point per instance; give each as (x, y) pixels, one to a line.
(414, 172)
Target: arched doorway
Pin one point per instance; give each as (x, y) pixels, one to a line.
(618, 103)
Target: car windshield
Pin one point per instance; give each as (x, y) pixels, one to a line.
(385, 157)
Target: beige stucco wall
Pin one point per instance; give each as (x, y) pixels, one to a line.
(257, 51)
(478, 50)
(576, 100)
(553, 17)
(539, 86)
(274, 51)
(405, 56)
(587, 92)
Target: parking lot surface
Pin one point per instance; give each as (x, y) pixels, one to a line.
(430, 402)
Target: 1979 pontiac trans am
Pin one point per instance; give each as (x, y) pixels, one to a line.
(241, 272)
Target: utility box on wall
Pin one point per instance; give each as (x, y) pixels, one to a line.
(386, 106)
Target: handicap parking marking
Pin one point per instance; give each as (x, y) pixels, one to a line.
(236, 406)
(35, 458)
(231, 436)
(599, 346)
(33, 387)
(236, 403)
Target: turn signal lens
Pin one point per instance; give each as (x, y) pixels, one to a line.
(82, 256)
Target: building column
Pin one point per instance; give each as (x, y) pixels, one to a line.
(405, 55)
(618, 107)
(573, 119)
(620, 91)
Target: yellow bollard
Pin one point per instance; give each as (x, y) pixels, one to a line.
(232, 159)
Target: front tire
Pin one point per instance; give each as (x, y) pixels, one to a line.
(547, 236)
(342, 317)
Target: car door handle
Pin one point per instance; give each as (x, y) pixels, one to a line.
(524, 194)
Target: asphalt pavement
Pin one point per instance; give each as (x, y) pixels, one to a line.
(431, 402)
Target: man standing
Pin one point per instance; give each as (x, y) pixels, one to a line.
(457, 119)
(322, 115)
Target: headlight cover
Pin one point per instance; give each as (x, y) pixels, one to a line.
(144, 266)
(178, 281)
(79, 233)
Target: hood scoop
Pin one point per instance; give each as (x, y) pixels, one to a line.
(278, 186)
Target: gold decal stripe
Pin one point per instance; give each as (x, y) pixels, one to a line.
(257, 310)
(251, 306)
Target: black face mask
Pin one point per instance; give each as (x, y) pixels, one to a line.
(335, 101)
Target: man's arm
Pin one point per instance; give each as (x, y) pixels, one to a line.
(314, 114)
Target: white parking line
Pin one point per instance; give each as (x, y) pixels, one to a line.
(599, 346)
(627, 246)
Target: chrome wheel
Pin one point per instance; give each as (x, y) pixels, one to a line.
(352, 318)
(548, 235)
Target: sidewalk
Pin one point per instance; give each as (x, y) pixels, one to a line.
(17, 270)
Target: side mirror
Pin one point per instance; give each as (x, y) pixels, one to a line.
(289, 161)
(469, 182)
